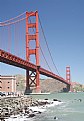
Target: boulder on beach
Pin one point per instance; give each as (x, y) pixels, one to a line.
(46, 99)
(55, 118)
(31, 115)
(55, 100)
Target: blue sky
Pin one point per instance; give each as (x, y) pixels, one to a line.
(63, 23)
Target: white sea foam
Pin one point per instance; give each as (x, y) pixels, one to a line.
(38, 108)
(53, 103)
(44, 107)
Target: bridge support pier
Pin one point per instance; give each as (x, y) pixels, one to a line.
(68, 88)
(32, 81)
(27, 90)
(38, 90)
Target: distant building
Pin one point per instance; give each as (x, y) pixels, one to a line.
(7, 84)
(74, 84)
(83, 86)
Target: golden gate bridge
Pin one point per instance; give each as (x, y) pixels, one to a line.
(19, 36)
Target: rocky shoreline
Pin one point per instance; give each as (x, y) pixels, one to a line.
(13, 106)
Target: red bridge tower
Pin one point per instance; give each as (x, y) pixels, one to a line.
(68, 78)
(32, 78)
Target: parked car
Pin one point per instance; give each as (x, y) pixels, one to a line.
(2, 94)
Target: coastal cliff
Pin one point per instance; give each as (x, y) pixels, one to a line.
(51, 85)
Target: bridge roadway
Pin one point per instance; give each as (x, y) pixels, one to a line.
(10, 59)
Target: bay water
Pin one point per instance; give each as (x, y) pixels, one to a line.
(72, 108)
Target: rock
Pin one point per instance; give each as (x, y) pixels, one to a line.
(2, 118)
(27, 111)
(55, 100)
(80, 100)
(31, 115)
(45, 99)
(43, 103)
(59, 100)
(39, 112)
(55, 118)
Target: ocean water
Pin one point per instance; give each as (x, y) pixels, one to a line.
(72, 108)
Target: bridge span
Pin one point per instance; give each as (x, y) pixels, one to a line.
(10, 59)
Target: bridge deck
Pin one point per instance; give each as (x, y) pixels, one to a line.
(10, 59)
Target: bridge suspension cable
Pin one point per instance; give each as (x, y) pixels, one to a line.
(7, 21)
(45, 59)
(48, 46)
(3, 24)
(14, 39)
